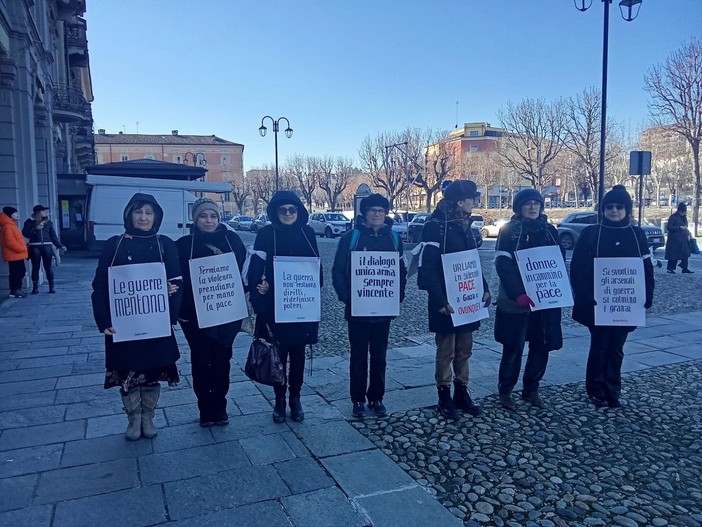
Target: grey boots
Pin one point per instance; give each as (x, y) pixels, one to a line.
(149, 399)
(132, 406)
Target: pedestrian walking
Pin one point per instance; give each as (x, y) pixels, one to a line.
(14, 249)
(368, 334)
(615, 237)
(287, 235)
(39, 230)
(677, 246)
(515, 323)
(448, 231)
(210, 347)
(137, 366)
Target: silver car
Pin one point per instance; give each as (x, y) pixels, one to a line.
(328, 224)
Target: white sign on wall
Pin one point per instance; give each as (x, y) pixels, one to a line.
(375, 283)
(217, 290)
(297, 290)
(545, 277)
(463, 278)
(620, 292)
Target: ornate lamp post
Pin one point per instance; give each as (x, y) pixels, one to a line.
(288, 133)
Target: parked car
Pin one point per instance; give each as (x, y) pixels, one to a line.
(491, 231)
(260, 221)
(415, 227)
(570, 228)
(241, 223)
(477, 221)
(329, 224)
(399, 226)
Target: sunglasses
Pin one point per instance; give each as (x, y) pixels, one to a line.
(287, 210)
(614, 206)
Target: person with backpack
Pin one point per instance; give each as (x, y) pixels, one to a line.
(368, 334)
(448, 231)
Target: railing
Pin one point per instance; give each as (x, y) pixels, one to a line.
(71, 100)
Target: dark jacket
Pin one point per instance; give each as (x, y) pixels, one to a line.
(677, 246)
(519, 234)
(128, 249)
(368, 240)
(277, 239)
(39, 236)
(452, 237)
(200, 245)
(606, 240)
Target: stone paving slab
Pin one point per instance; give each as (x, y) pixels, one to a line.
(411, 506)
(331, 439)
(17, 492)
(303, 474)
(38, 516)
(42, 435)
(39, 415)
(322, 508)
(29, 460)
(267, 449)
(101, 449)
(262, 514)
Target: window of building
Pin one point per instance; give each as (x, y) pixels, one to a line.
(225, 161)
(474, 133)
(473, 148)
(125, 158)
(178, 159)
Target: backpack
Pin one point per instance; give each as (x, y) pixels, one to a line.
(356, 234)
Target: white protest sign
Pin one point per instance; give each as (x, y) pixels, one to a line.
(620, 292)
(297, 291)
(217, 290)
(375, 284)
(545, 277)
(139, 301)
(464, 286)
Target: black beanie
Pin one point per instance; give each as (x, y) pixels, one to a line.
(461, 190)
(619, 195)
(682, 207)
(9, 210)
(525, 195)
(374, 200)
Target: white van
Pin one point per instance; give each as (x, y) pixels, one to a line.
(109, 195)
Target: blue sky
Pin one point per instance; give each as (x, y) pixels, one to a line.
(340, 70)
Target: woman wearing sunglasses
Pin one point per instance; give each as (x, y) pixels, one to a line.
(287, 235)
(615, 237)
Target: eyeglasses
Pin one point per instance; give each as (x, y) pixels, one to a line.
(614, 206)
(287, 210)
(376, 211)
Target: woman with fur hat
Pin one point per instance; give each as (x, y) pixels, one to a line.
(42, 238)
(368, 335)
(137, 366)
(210, 347)
(515, 323)
(677, 246)
(14, 249)
(287, 235)
(448, 231)
(614, 237)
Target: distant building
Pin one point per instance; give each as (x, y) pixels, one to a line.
(475, 137)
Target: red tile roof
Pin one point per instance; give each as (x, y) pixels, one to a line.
(161, 139)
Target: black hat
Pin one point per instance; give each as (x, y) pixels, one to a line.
(461, 190)
(524, 195)
(39, 208)
(619, 195)
(374, 200)
(9, 211)
(682, 207)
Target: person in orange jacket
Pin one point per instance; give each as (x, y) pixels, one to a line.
(14, 249)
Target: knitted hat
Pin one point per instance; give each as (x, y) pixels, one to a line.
(9, 211)
(527, 194)
(619, 195)
(374, 200)
(461, 190)
(203, 204)
(682, 207)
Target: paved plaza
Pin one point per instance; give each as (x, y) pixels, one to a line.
(64, 460)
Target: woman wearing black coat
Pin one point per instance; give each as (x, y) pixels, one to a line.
(210, 347)
(515, 323)
(137, 366)
(448, 231)
(614, 237)
(677, 246)
(39, 230)
(287, 235)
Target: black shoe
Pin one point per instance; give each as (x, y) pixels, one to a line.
(279, 410)
(206, 421)
(378, 408)
(534, 399)
(17, 294)
(359, 410)
(35, 291)
(599, 403)
(446, 406)
(671, 271)
(463, 402)
(222, 419)
(614, 403)
(507, 402)
(51, 289)
(296, 413)
(687, 271)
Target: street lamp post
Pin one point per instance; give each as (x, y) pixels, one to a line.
(632, 11)
(288, 133)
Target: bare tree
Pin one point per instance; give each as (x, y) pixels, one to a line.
(302, 169)
(676, 90)
(535, 135)
(440, 164)
(262, 185)
(387, 166)
(240, 191)
(334, 176)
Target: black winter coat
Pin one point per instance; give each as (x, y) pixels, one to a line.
(46, 234)
(368, 240)
(606, 240)
(452, 237)
(199, 245)
(522, 233)
(677, 246)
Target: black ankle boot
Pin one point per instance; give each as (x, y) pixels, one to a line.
(279, 410)
(462, 400)
(296, 413)
(446, 406)
(35, 287)
(51, 288)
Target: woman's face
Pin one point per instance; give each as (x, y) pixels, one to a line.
(375, 217)
(530, 209)
(466, 205)
(287, 214)
(207, 221)
(42, 214)
(143, 217)
(614, 211)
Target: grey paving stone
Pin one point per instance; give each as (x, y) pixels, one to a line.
(266, 449)
(27, 400)
(38, 415)
(185, 436)
(252, 404)
(242, 389)
(42, 351)
(322, 508)
(31, 374)
(303, 475)
(298, 448)
(52, 330)
(368, 472)
(85, 393)
(79, 381)
(403, 400)
(42, 435)
(263, 514)
(88, 480)
(413, 506)
(247, 426)
(101, 449)
(15, 388)
(199, 461)
(229, 489)
(94, 408)
(175, 397)
(331, 439)
(184, 414)
(656, 358)
(17, 492)
(115, 424)
(133, 508)
(57, 360)
(30, 460)
(9, 364)
(87, 367)
(39, 516)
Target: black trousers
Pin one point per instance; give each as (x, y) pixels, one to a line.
(672, 263)
(368, 338)
(210, 361)
(41, 254)
(295, 373)
(17, 272)
(603, 377)
(511, 362)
